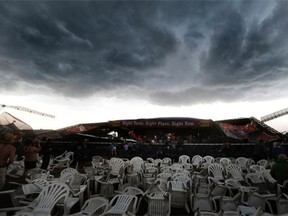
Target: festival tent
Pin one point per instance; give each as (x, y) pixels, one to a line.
(13, 122)
(17, 125)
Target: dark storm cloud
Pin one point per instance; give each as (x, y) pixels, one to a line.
(170, 52)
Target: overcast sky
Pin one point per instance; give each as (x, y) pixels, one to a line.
(106, 60)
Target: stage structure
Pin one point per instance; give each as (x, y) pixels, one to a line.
(20, 108)
(274, 115)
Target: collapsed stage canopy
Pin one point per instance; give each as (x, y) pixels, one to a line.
(189, 129)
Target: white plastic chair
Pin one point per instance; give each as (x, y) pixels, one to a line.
(225, 161)
(165, 176)
(184, 179)
(159, 203)
(122, 204)
(166, 161)
(281, 203)
(166, 169)
(216, 170)
(37, 173)
(234, 171)
(27, 193)
(93, 206)
(227, 203)
(69, 169)
(188, 167)
(179, 194)
(208, 159)
(251, 197)
(62, 161)
(116, 166)
(130, 190)
(149, 177)
(16, 169)
(138, 164)
(202, 202)
(256, 168)
(46, 201)
(184, 159)
(263, 163)
(104, 189)
(242, 163)
(216, 187)
(233, 186)
(196, 161)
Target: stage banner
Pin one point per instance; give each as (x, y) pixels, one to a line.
(162, 123)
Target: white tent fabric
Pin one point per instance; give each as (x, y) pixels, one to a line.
(11, 121)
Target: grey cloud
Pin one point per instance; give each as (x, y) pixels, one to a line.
(195, 51)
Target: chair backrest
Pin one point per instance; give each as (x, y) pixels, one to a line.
(159, 185)
(203, 202)
(148, 165)
(150, 160)
(177, 166)
(188, 166)
(157, 162)
(137, 163)
(37, 173)
(165, 176)
(263, 162)
(34, 187)
(242, 162)
(133, 191)
(196, 160)
(49, 197)
(69, 155)
(166, 161)
(184, 179)
(122, 203)
(225, 161)
(234, 171)
(216, 170)
(95, 206)
(250, 162)
(256, 168)
(97, 158)
(116, 166)
(254, 179)
(66, 177)
(233, 186)
(69, 169)
(217, 188)
(184, 159)
(208, 159)
(78, 180)
(166, 169)
(159, 204)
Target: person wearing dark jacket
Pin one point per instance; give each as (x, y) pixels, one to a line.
(47, 151)
(279, 170)
(260, 151)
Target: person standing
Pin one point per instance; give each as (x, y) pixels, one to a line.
(260, 151)
(31, 149)
(113, 149)
(7, 152)
(279, 170)
(47, 151)
(277, 150)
